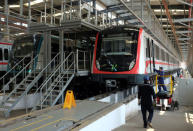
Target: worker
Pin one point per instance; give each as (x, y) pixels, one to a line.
(145, 94)
(160, 79)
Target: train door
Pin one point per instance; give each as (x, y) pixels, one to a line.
(148, 55)
(1, 59)
(4, 57)
(153, 53)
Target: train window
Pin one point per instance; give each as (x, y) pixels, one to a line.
(167, 57)
(157, 52)
(1, 54)
(163, 55)
(5, 54)
(147, 48)
(154, 49)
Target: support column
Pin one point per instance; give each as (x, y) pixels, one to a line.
(6, 10)
(29, 10)
(61, 45)
(49, 48)
(52, 4)
(45, 50)
(80, 9)
(45, 11)
(21, 7)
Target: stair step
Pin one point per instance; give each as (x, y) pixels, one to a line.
(6, 107)
(61, 81)
(29, 81)
(56, 85)
(57, 91)
(43, 106)
(21, 88)
(11, 102)
(18, 93)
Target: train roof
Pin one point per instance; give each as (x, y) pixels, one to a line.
(122, 28)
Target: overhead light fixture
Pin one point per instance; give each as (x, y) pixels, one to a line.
(14, 6)
(19, 34)
(57, 14)
(175, 12)
(34, 2)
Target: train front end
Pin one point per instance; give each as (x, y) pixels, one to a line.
(116, 56)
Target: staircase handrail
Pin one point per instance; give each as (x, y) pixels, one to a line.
(44, 70)
(18, 75)
(56, 70)
(57, 83)
(11, 69)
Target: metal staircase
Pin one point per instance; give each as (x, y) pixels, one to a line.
(52, 89)
(31, 77)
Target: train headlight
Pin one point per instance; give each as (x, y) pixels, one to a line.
(131, 64)
(97, 64)
(183, 65)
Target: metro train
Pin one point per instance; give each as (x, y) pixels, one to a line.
(27, 46)
(126, 54)
(5, 50)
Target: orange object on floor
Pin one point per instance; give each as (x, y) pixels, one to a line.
(69, 100)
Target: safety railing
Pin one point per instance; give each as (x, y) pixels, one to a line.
(68, 65)
(87, 12)
(50, 74)
(170, 84)
(82, 60)
(12, 72)
(20, 75)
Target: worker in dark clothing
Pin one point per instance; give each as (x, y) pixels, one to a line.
(160, 79)
(145, 94)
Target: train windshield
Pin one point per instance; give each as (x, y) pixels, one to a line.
(117, 51)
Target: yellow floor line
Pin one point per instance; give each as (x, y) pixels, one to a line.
(49, 117)
(47, 124)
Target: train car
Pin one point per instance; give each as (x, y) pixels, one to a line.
(5, 49)
(126, 54)
(29, 46)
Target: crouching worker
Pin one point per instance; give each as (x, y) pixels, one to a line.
(145, 94)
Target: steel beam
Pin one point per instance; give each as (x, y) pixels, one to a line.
(183, 32)
(172, 25)
(183, 2)
(183, 20)
(29, 10)
(21, 7)
(184, 39)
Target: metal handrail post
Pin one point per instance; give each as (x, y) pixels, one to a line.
(84, 60)
(80, 12)
(77, 68)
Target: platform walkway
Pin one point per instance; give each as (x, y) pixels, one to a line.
(163, 121)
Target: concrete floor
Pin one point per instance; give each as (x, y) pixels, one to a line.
(181, 120)
(13, 114)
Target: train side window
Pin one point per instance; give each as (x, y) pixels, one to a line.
(147, 48)
(157, 52)
(154, 49)
(163, 55)
(6, 54)
(1, 54)
(167, 57)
